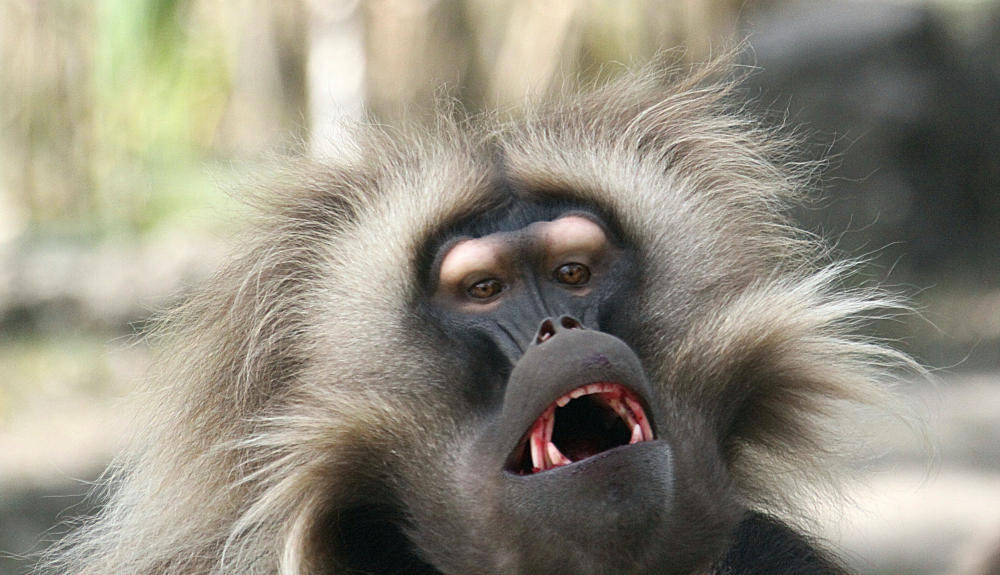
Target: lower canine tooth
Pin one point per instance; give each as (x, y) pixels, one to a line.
(556, 456)
(536, 441)
(537, 461)
(636, 434)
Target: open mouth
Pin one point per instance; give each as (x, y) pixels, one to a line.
(588, 420)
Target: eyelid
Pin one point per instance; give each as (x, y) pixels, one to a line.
(475, 277)
(468, 261)
(574, 257)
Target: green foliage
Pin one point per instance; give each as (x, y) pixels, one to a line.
(106, 106)
(160, 89)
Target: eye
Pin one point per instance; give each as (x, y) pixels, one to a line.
(573, 274)
(485, 289)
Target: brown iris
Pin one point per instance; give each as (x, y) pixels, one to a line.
(485, 289)
(573, 274)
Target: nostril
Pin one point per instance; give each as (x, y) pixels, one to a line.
(549, 328)
(569, 322)
(545, 331)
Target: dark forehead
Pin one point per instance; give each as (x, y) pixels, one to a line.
(510, 205)
(513, 214)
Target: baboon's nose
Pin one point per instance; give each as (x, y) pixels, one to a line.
(549, 328)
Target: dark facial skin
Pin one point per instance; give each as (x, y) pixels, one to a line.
(503, 285)
(573, 472)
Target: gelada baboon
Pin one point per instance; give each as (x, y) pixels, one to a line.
(582, 341)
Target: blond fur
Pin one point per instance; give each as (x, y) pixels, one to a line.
(291, 373)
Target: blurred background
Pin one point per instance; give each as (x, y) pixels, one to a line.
(124, 125)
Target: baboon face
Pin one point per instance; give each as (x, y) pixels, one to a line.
(568, 460)
(559, 455)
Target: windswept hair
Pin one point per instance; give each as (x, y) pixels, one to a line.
(286, 378)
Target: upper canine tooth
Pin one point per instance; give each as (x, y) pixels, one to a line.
(562, 401)
(622, 411)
